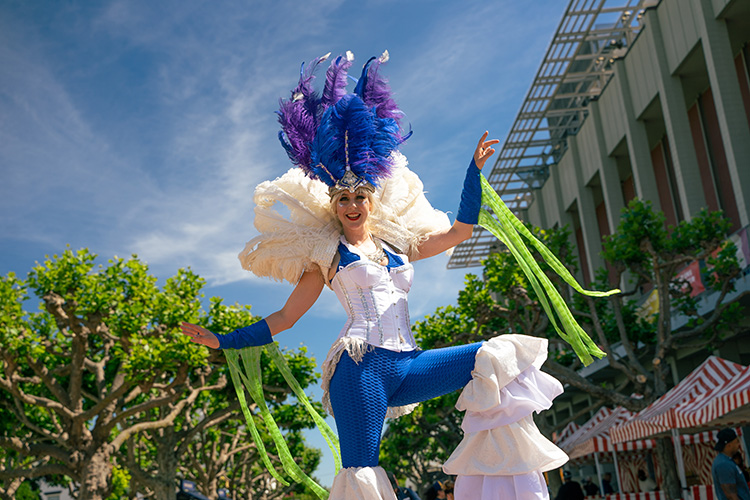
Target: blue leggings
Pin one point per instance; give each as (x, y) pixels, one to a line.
(362, 392)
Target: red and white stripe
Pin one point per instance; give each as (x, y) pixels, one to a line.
(593, 436)
(732, 396)
(566, 433)
(703, 437)
(702, 492)
(650, 495)
(585, 430)
(660, 416)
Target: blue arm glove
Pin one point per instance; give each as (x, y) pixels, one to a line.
(257, 334)
(471, 196)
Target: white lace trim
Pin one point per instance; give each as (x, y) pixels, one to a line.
(356, 348)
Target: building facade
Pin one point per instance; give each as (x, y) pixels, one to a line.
(671, 126)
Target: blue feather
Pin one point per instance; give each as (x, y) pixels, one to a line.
(362, 83)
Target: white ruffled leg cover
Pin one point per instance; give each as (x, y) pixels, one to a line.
(503, 454)
(362, 483)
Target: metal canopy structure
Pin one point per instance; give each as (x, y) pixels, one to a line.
(577, 66)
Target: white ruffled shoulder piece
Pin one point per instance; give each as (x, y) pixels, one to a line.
(289, 246)
(362, 483)
(308, 237)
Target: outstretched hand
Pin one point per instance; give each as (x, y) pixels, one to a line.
(200, 335)
(484, 150)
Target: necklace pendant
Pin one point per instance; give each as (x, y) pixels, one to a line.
(379, 255)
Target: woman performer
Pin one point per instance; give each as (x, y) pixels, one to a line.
(359, 237)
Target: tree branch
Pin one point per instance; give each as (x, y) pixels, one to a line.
(43, 372)
(572, 378)
(168, 420)
(39, 471)
(214, 419)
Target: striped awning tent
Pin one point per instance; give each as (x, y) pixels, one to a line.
(566, 433)
(593, 436)
(661, 415)
(726, 405)
(708, 437)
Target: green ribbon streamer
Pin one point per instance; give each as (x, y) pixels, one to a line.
(232, 356)
(331, 438)
(244, 366)
(508, 229)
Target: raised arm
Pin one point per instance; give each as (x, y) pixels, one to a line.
(300, 301)
(468, 211)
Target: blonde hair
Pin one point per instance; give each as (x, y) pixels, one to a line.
(374, 201)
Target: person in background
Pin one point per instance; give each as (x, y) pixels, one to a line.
(570, 490)
(729, 482)
(589, 487)
(737, 458)
(448, 487)
(607, 484)
(645, 483)
(402, 492)
(436, 492)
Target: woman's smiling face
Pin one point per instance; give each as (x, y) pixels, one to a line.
(353, 209)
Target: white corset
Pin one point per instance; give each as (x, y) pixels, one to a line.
(374, 298)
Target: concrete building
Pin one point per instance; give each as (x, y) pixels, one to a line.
(672, 126)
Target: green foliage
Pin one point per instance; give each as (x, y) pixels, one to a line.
(638, 224)
(110, 332)
(28, 491)
(642, 241)
(440, 329)
(655, 254)
(638, 329)
(120, 483)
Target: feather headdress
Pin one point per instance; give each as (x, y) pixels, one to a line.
(345, 140)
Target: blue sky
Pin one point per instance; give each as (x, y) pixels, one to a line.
(141, 127)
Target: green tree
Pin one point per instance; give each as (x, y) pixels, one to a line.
(102, 367)
(103, 349)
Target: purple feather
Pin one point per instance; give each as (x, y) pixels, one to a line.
(299, 116)
(378, 94)
(336, 78)
(299, 126)
(306, 78)
(314, 125)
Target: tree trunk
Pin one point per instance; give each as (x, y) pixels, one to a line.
(165, 484)
(665, 455)
(554, 482)
(96, 477)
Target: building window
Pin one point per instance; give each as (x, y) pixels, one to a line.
(581, 245)
(717, 158)
(743, 75)
(666, 184)
(708, 180)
